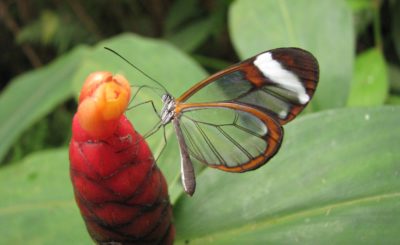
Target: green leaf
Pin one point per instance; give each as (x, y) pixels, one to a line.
(34, 94)
(335, 181)
(55, 29)
(42, 135)
(191, 28)
(211, 63)
(393, 100)
(340, 186)
(323, 27)
(180, 11)
(394, 78)
(37, 206)
(42, 30)
(359, 5)
(370, 85)
(193, 35)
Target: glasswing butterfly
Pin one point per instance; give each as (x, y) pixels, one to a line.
(233, 119)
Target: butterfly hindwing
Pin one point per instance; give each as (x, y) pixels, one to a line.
(230, 137)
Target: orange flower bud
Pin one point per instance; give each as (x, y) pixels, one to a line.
(102, 101)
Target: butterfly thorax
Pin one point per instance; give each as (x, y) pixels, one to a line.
(168, 110)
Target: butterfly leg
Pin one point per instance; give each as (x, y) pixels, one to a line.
(165, 143)
(144, 102)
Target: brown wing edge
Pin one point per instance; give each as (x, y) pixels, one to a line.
(304, 64)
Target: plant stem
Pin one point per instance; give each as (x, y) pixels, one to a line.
(377, 23)
(12, 25)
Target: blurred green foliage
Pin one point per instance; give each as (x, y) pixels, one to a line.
(335, 178)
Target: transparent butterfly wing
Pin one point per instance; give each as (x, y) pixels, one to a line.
(279, 82)
(230, 138)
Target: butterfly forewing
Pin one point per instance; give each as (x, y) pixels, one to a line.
(279, 82)
(227, 87)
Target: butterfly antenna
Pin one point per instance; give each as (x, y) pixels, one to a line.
(137, 68)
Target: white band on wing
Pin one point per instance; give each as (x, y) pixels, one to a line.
(273, 70)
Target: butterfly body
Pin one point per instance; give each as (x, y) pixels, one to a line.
(168, 110)
(254, 98)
